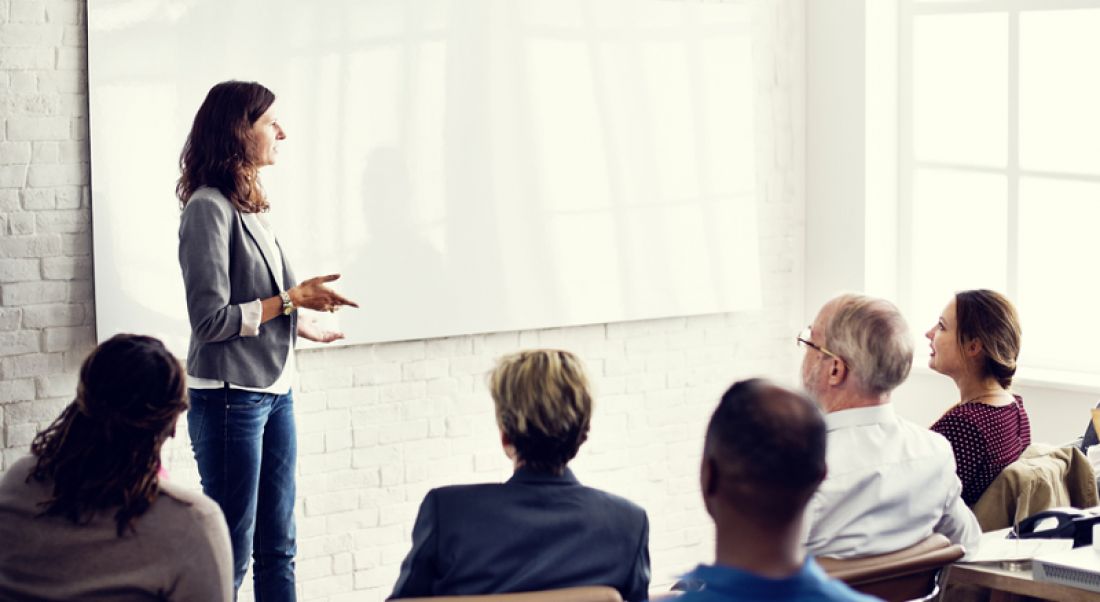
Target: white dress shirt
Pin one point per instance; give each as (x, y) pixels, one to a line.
(890, 484)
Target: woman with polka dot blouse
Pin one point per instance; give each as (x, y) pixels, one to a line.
(976, 342)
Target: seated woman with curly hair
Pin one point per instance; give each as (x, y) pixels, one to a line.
(86, 515)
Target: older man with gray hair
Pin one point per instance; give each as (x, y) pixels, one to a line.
(890, 483)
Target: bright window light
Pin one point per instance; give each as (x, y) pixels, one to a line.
(1000, 168)
(959, 238)
(1058, 96)
(1057, 239)
(960, 75)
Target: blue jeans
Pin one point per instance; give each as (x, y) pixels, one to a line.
(245, 445)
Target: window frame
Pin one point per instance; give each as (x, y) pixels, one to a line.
(909, 166)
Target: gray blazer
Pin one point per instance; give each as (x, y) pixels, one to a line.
(224, 266)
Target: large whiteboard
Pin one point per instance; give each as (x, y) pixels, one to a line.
(467, 165)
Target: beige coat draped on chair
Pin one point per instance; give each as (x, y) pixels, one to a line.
(1044, 477)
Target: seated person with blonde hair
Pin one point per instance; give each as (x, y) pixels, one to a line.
(541, 529)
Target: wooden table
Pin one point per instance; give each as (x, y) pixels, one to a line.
(1013, 585)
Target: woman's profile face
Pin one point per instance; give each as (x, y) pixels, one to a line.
(264, 139)
(946, 356)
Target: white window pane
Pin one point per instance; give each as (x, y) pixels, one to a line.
(1059, 92)
(1058, 292)
(959, 238)
(960, 80)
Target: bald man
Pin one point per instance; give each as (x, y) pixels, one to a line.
(763, 458)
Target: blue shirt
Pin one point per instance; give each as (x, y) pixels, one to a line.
(724, 584)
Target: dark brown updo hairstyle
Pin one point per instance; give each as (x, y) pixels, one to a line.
(216, 153)
(989, 317)
(103, 451)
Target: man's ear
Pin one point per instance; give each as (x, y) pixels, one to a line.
(506, 443)
(838, 373)
(708, 484)
(708, 477)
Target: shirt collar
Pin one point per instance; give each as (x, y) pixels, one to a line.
(526, 475)
(880, 414)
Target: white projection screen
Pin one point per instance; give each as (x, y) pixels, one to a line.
(468, 166)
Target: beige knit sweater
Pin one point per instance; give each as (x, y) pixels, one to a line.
(179, 550)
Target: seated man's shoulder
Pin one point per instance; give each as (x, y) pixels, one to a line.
(493, 499)
(467, 497)
(905, 446)
(626, 516)
(467, 489)
(726, 584)
(900, 437)
(459, 496)
(617, 501)
(934, 442)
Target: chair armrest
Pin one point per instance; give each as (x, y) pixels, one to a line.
(933, 552)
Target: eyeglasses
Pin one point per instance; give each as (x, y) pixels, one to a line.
(803, 341)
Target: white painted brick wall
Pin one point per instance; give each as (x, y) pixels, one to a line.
(381, 424)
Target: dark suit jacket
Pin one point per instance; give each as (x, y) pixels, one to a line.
(537, 531)
(224, 266)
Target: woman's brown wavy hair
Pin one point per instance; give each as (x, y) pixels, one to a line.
(103, 451)
(216, 152)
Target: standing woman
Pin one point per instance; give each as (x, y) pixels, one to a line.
(976, 342)
(242, 301)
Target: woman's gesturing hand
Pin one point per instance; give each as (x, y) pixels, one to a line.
(313, 294)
